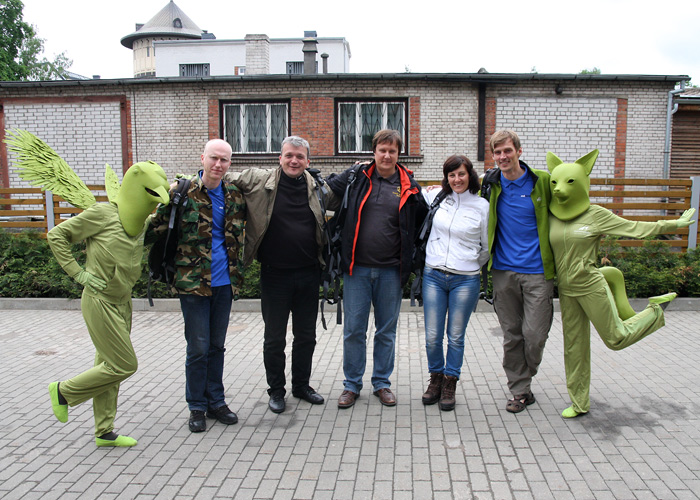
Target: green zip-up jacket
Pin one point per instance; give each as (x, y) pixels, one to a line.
(541, 195)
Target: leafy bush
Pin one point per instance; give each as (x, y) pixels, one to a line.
(29, 269)
(654, 269)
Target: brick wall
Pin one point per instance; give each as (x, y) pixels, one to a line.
(169, 122)
(625, 120)
(86, 135)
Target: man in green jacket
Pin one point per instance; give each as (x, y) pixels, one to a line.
(284, 232)
(521, 265)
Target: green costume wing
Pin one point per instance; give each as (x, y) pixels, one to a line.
(44, 168)
(111, 183)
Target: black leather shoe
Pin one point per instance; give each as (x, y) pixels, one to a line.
(276, 403)
(197, 421)
(308, 394)
(223, 414)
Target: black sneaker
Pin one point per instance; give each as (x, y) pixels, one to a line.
(223, 414)
(197, 421)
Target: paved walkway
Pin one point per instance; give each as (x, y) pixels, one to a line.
(640, 440)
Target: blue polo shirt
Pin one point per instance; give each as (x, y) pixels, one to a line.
(517, 246)
(219, 255)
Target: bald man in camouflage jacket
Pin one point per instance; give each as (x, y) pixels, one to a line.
(207, 278)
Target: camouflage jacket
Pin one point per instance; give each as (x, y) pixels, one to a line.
(193, 257)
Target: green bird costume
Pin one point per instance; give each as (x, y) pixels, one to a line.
(575, 230)
(114, 234)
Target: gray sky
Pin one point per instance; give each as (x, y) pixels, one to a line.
(617, 36)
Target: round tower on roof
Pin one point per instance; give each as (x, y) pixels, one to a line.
(171, 23)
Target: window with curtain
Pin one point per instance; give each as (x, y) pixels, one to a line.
(255, 127)
(358, 121)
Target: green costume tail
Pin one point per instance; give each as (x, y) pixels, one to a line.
(616, 282)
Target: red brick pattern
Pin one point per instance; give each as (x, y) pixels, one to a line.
(312, 117)
(490, 129)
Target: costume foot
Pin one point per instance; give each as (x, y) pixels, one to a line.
(663, 300)
(570, 412)
(60, 410)
(119, 441)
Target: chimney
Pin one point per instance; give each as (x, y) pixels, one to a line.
(257, 54)
(310, 52)
(324, 56)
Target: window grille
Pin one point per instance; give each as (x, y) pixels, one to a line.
(358, 121)
(194, 70)
(255, 127)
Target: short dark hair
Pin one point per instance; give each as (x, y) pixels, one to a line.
(452, 164)
(502, 136)
(387, 135)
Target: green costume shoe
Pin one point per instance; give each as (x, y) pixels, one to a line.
(61, 411)
(121, 442)
(663, 300)
(570, 413)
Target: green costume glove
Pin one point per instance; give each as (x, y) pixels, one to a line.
(90, 280)
(684, 220)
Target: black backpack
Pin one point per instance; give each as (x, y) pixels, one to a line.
(161, 258)
(332, 272)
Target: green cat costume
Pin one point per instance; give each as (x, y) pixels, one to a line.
(114, 234)
(576, 228)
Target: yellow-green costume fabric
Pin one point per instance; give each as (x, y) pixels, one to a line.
(115, 257)
(585, 296)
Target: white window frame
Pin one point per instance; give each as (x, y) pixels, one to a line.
(241, 144)
(358, 122)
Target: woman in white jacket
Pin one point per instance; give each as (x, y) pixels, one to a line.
(457, 248)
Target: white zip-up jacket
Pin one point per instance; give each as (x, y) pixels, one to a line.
(459, 238)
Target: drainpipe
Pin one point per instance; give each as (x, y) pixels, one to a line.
(671, 108)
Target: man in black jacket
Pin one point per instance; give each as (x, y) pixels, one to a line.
(385, 208)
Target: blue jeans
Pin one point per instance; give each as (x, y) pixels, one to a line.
(206, 322)
(370, 286)
(443, 292)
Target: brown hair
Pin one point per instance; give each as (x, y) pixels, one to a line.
(502, 136)
(387, 135)
(452, 164)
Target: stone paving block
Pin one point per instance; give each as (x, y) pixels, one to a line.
(369, 451)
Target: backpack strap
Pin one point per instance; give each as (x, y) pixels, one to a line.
(178, 201)
(333, 272)
(421, 246)
(321, 191)
(491, 177)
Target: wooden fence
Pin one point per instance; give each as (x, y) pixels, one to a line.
(32, 208)
(635, 199)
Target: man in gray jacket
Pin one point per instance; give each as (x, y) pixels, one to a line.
(284, 232)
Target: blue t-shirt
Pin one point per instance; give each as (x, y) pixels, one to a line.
(219, 255)
(517, 246)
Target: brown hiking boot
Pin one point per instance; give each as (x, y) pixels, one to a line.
(432, 393)
(447, 399)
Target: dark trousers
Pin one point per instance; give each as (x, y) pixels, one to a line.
(285, 291)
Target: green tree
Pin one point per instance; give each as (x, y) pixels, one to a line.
(594, 71)
(21, 50)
